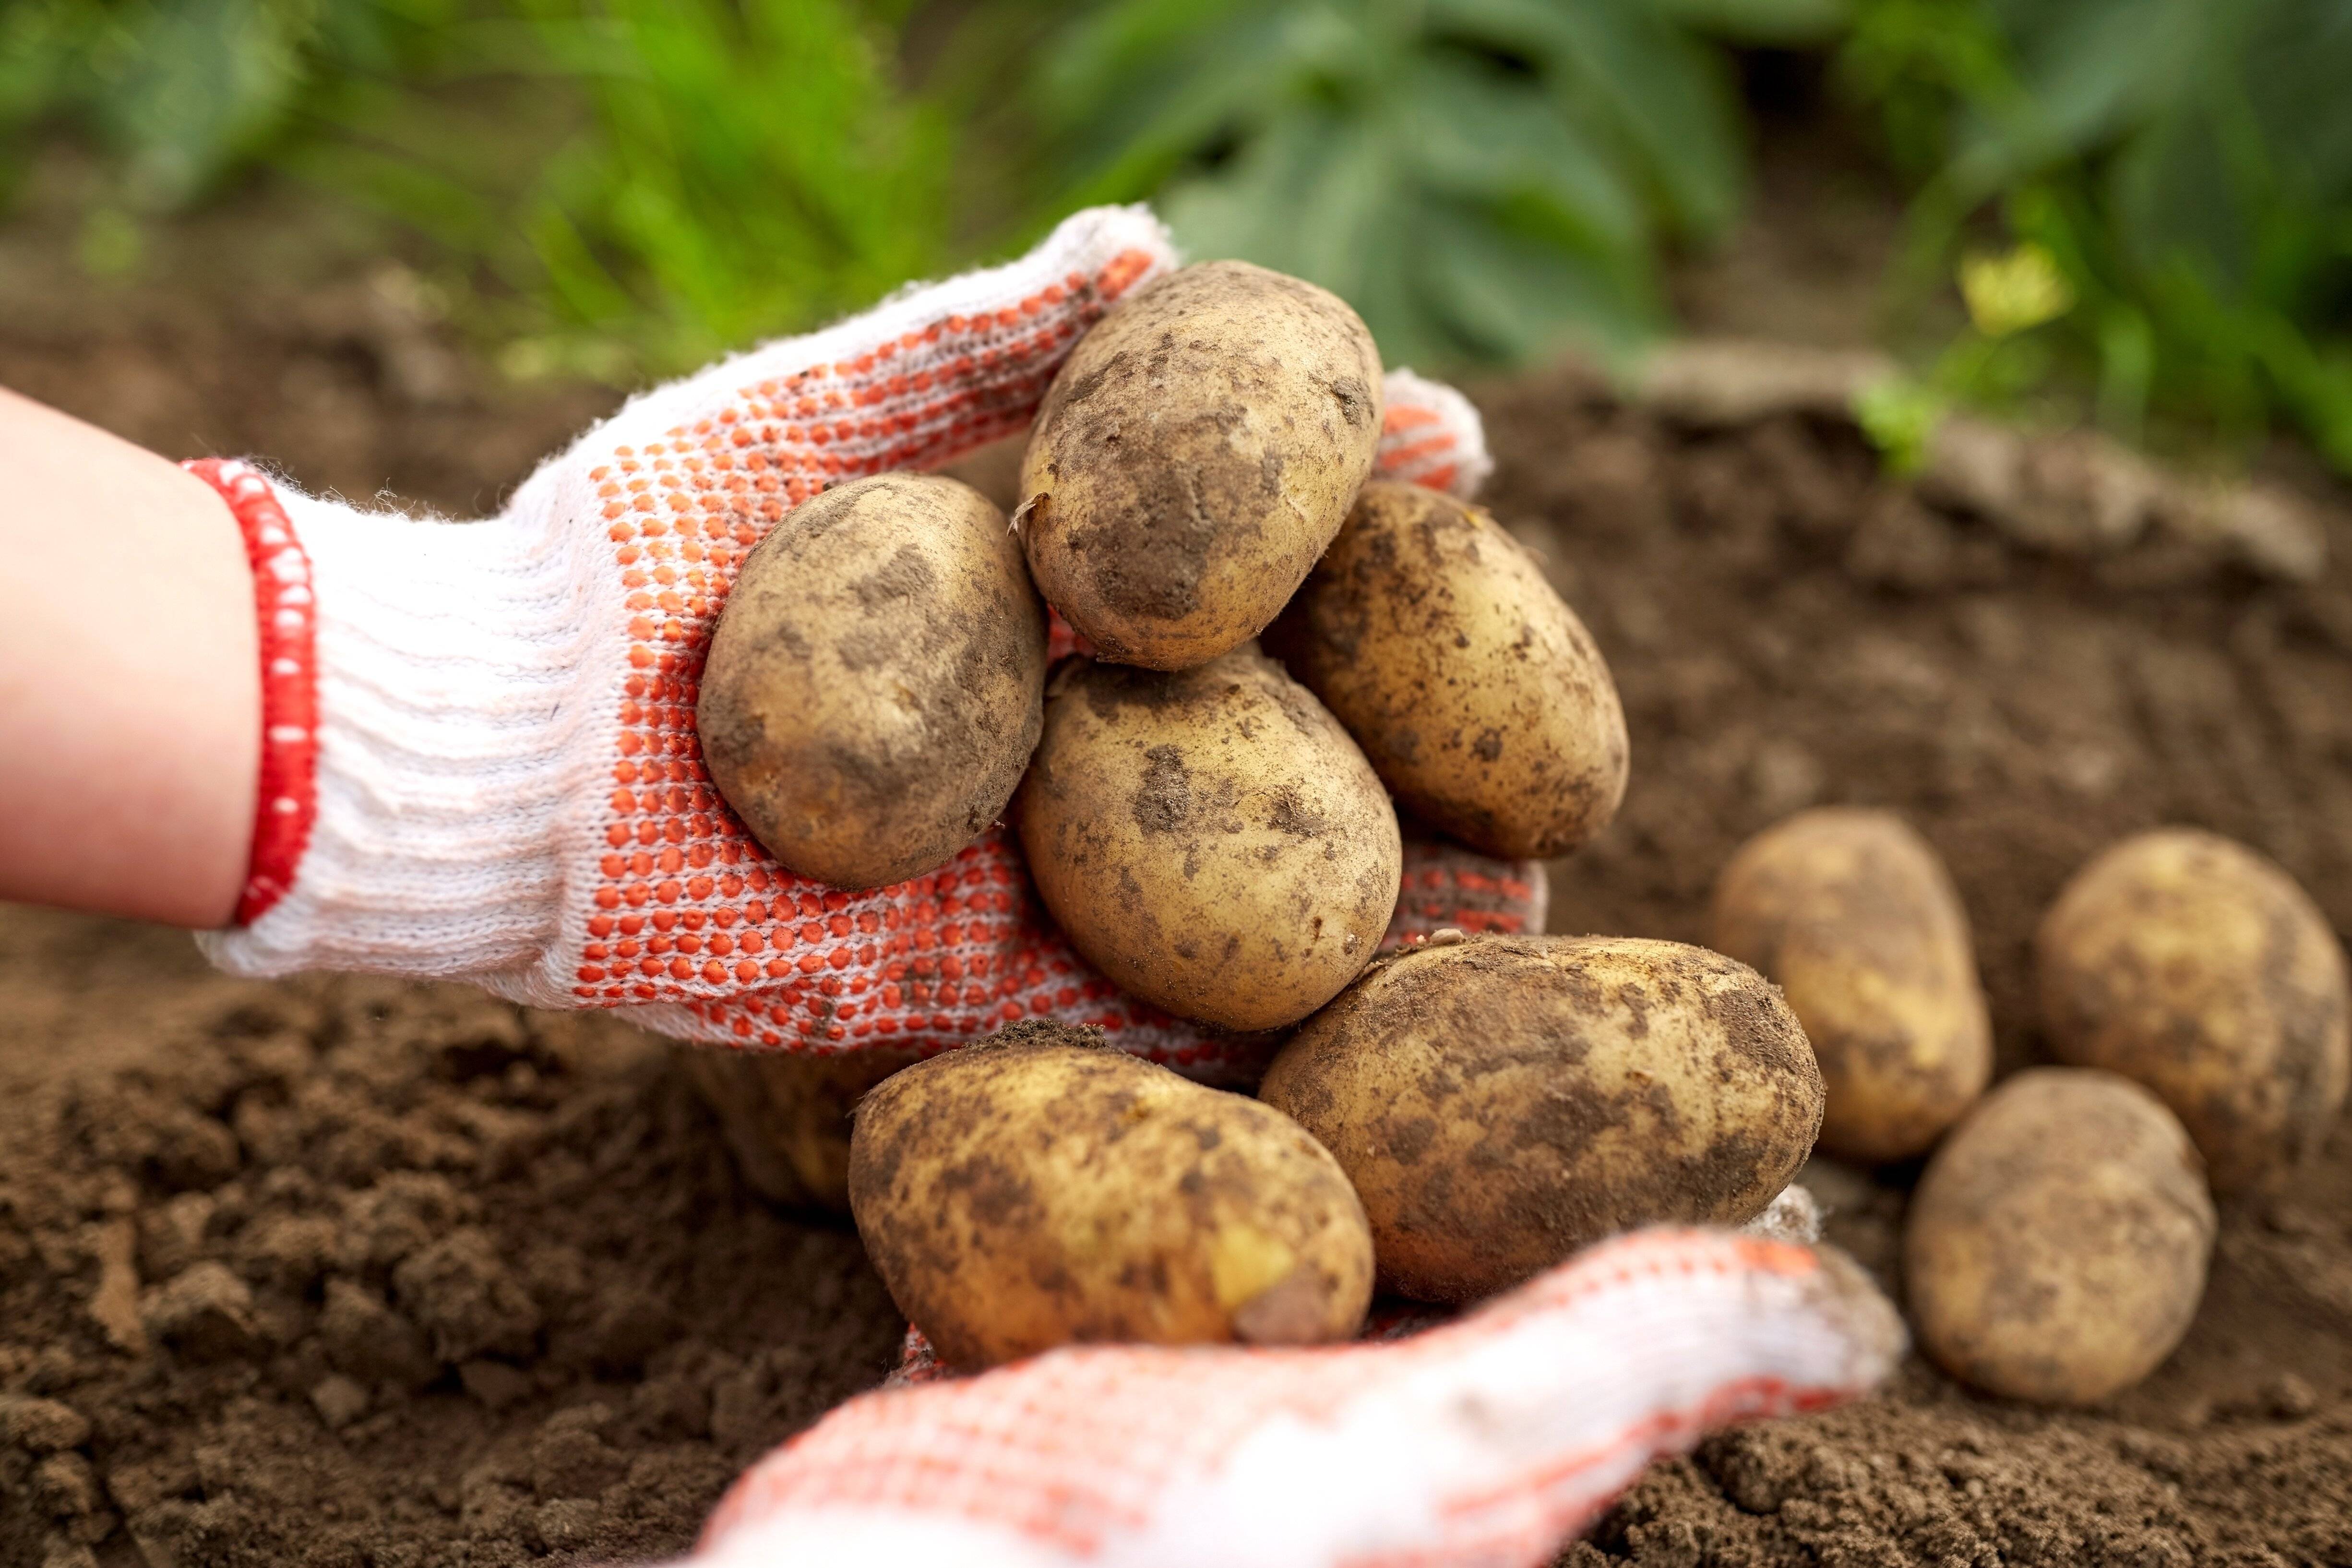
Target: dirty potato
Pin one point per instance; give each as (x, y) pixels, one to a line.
(1211, 839)
(1041, 1189)
(785, 1115)
(2191, 964)
(1851, 914)
(876, 681)
(1477, 694)
(2056, 1246)
(1500, 1101)
(1195, 455)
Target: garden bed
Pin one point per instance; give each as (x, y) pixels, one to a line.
(342, 1270)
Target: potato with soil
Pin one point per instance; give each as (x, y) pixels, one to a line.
(2191, 964)
(2056, 1246)
(1500, 1101)
(1476, 692)
(1853, 915)
(785, 1115)
(1194, 457)
(1041, 1188)
(876, 681)
(1210, 839)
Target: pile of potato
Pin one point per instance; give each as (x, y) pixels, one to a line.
(2056, 1245)
(1280, 647)
(1210, 820)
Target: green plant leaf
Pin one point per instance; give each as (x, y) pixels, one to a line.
(2187, 165)
(1780, 24)
(1470, 135)
(1483, 179)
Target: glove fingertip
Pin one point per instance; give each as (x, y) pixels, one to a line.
(1432, 436)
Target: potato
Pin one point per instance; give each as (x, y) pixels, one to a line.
(2195, 966)
(785, 1115)
(1210, 839)
(876, 680)
(1041, 1189)
(2056, 1245)
(1477, 694)
(1195, 455)
(1500, 1101)
(1850, 913)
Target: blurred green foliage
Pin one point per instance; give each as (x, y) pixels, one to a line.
(2163, 188)
(182, 93)
(644, 181)
(2184, 167)
(1480, 178)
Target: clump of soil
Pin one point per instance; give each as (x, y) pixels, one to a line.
(351, 1271)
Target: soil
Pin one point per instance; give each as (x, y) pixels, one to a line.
(1789, 630)
(343, 1271)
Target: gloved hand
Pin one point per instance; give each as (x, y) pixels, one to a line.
(481, 759)
(1486, 1443)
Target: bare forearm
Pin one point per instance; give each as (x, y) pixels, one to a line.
(130, 700)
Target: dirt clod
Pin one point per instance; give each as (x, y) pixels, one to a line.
(502, 1336)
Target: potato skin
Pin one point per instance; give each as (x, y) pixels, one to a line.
(1501, 1101)
(1853, 915)
(2189, 962)
(1210, 839)
(1476, 692)
(876, 681)
(1035, 1190)
(785, 1115)
(1194, 457)
(2056, 1245)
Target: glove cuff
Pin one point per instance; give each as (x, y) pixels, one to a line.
(423, 729)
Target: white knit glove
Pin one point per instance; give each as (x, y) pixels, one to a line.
(1487, 1443)
(480, 761)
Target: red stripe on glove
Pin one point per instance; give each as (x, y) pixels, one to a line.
(288, 801)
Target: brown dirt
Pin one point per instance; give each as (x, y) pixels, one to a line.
(345, 1271)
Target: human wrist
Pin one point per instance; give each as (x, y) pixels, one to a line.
(126, 675)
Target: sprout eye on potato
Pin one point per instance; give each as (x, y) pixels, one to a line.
(1210, 839)
(876, 681)
(1853, 915)
(1502, 1102)
(2193, 965)
(1194, 457)
(1475, 692)
(2056, 1247)
(1041, 1189)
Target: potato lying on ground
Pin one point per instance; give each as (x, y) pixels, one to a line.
(2196, 967)
(1500, 1101)
(876, 681)
(785, 1115)
(1210, 839)
(2056, 1245)
(1851, 914)
(1477, 694)
(1040, 1189)
(1195, 455)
